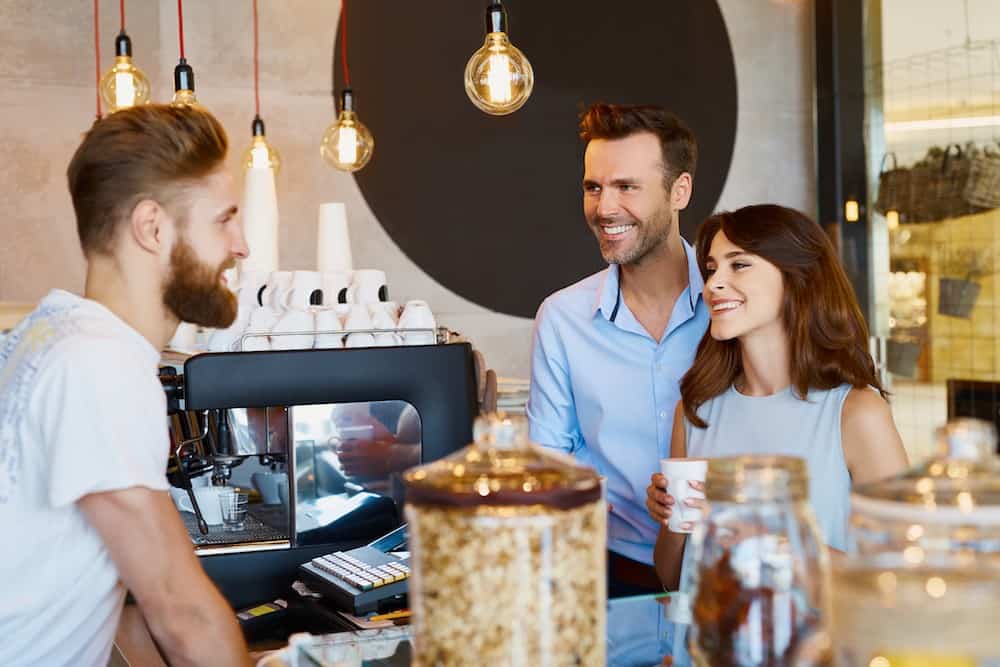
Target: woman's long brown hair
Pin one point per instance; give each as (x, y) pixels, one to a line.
(826, 331)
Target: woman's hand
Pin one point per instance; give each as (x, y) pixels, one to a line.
(659, 503)
(695, 503)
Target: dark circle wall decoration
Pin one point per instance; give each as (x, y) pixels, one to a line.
(491, 207)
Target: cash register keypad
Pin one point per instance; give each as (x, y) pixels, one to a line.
(361, 575)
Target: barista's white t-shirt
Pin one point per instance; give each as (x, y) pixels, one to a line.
(81, 411)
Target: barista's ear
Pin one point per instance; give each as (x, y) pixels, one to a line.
(680, 191)
(146, 225)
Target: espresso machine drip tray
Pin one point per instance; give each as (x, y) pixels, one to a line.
(254, 530)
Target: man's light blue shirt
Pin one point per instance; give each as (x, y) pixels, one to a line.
(604, 390)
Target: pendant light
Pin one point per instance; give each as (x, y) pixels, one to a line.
(498, 78)
(259, 206)
(347, 144)
(260, 154)
(183, 73)
(97, 58)
(124, 85)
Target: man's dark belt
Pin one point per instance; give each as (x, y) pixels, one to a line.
(633, 572)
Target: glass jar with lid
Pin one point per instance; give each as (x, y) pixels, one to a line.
(949, 504)
(758, 572)
(922, 584)
(509, 549)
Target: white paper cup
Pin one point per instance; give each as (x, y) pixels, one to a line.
(333, 242)
(679, 609)
(259, 211)
(679, 472)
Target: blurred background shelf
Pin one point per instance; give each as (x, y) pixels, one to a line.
(12, 312)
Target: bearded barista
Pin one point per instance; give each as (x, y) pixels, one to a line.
(83, 436)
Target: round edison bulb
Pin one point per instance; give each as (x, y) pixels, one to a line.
(185, 98)
(124, 85)
(347, 144)
(261, 155)
(498, 78)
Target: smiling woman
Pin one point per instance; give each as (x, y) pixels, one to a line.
(783, 370)
(779, 267)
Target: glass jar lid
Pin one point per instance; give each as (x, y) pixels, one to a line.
(959, 485)
(502, 467)
(742, 479)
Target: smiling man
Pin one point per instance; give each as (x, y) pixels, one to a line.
(609, 351)
(83, 432)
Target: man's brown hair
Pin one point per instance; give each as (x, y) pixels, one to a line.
(678, 147)
(145, 152)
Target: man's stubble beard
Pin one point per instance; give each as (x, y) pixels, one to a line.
(652, 234)
(193, 291)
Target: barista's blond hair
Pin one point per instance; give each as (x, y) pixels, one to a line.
(146, 152)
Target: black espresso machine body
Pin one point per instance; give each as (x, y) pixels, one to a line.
(297, 412)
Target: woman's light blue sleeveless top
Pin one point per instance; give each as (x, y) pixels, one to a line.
(784, 424)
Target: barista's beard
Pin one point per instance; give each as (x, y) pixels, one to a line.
(193, 291)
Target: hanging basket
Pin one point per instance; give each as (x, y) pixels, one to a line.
(937, 185)
(893, 189)
(957, 297)
(983, 185)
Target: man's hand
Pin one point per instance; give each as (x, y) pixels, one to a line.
(189, 619)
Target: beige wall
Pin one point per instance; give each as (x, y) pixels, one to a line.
(47, 100)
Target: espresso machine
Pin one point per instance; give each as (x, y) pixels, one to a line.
(332, 430)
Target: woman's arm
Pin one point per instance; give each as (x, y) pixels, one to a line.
(872, 446)
(669, 549)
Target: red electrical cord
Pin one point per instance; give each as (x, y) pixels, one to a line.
(256, 62)
(343, 43)
(122, 11)
(180, 25)
(97, 54)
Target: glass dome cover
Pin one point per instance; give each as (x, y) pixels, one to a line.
(961, 479)
(950, 503)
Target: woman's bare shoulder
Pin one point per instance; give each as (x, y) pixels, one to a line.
(872, 446)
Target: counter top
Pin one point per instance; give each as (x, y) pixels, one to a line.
(638, 633)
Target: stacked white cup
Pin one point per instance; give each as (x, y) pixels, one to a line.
(417, 315)
(298, 316)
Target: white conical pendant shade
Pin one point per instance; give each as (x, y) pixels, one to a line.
(260, 220)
